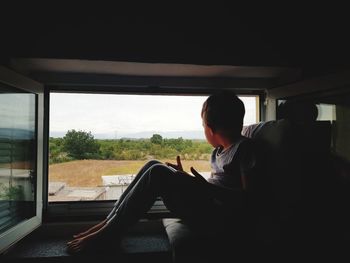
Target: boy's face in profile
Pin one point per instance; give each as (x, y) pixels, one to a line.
(209, 134)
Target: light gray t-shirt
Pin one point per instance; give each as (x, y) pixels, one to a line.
(230, 165)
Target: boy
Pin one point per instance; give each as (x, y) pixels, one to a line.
(217, 202)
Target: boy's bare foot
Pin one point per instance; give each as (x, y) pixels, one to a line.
(79, 244)
(90, 230)
(76, 245)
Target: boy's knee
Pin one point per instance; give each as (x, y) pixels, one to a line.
(160, 167)
(152, 162)
(160, 170)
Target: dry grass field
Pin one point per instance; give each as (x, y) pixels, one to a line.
(87, 173)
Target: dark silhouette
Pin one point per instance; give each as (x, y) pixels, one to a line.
(296, 153)
(216, 204)
(297, 111)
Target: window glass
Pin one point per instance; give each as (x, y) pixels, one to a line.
(17, 156)
(98, 142)
(339, 115)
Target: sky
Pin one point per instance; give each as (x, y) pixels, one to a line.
(117, 116)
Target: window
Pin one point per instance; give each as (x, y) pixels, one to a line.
(21, 155)
(17, 160)
(339, 114)
(98, 142)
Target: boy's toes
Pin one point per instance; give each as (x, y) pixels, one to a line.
(74, 248)
(73, 243)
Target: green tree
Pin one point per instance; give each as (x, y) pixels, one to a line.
(156, 139)
(107, 153)
(80, 145)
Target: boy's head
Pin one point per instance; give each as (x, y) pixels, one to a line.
(223, 113)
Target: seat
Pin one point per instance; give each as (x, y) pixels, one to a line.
(297, 164)
(288, 194)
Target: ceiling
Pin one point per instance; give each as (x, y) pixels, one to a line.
(101, 74)
(252, 42)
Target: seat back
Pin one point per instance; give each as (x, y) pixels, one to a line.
(293, 156)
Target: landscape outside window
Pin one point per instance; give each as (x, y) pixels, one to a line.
(98, 142)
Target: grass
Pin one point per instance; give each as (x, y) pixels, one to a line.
(87, 173)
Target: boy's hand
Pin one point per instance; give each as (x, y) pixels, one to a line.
(198, 176)
(177, 166)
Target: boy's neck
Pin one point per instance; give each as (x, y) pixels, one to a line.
(228, 143)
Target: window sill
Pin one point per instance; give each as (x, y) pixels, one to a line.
(87, 211)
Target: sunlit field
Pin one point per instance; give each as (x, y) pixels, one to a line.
(87, 173)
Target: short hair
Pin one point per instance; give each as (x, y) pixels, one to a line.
(297, 111)
(224, 112)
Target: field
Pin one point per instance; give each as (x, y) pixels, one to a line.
(87, 173)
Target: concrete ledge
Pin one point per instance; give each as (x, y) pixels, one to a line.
(146, 241)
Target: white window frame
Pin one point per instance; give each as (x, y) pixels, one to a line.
(17, 232)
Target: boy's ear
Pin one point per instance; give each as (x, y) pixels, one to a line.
(211, 131)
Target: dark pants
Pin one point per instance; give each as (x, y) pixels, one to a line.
(183, 195)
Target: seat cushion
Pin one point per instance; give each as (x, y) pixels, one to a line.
(183, 241)
(190, 245)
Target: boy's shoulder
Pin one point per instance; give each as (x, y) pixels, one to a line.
(245, 141)
(243, 145)
(246, 144)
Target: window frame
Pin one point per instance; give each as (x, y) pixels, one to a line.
(96, 210)
(17, 232)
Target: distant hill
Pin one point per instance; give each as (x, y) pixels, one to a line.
(169, 135)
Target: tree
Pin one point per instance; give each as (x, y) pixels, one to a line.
(156, 139)
(80, 145)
